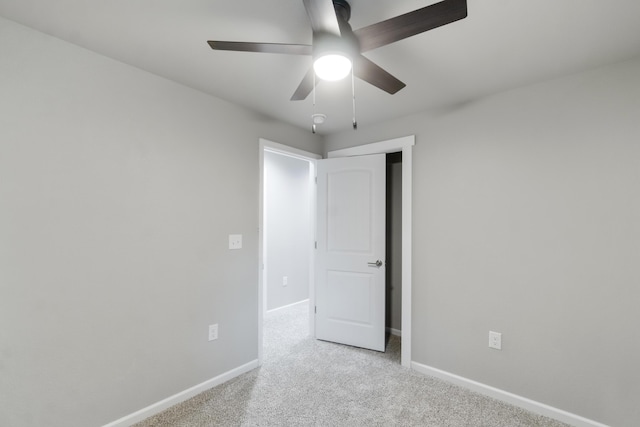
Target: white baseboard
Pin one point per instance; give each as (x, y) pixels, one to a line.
(505, 396)
(396, 332)
(288, 305)
(160, 406)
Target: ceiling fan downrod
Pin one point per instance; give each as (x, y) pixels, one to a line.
(343, 9)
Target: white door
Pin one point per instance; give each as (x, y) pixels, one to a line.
(350, 261)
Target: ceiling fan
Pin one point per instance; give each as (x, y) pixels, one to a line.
(337, 49)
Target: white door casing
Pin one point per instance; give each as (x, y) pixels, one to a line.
(350, 260)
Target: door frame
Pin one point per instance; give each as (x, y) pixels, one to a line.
(285, 150)
(404, 144)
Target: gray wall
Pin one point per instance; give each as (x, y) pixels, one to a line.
(526, 209)
(118, 190)
(288, 232)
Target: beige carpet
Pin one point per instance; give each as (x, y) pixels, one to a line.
(305, 382)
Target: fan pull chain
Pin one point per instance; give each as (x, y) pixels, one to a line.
(353, 92)
(313, 113)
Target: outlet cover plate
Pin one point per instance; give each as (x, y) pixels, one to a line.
(235, 241)
(495, 340)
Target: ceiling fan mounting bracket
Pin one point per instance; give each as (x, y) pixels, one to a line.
(343, 9)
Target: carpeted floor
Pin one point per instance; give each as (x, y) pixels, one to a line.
(304, 382)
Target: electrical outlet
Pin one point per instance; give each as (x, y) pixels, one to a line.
(235, 241)
(213, 332)
(285, 281)
(495, 340)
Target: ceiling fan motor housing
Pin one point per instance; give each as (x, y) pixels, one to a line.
(324, 44)
(345, 44)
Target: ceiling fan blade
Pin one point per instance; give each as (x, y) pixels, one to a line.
(291, 49)
(368, 71)
(305, 87)
(410, 24)
(322, 16)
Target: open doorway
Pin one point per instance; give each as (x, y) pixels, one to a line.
(403, 145)
(287, 228)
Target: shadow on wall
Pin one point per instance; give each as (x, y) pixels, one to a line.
(394, 242)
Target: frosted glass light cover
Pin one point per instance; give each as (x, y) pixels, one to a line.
(332, 67)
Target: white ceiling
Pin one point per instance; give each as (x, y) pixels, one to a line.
(502, 44)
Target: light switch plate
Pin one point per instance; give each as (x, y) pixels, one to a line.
(213, 332)
(235, 241)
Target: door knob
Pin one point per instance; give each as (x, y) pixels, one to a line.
(378, 263)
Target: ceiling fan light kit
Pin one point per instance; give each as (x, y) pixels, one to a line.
(337, 49)
(332, 66)
(333, 56)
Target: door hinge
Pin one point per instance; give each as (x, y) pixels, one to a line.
(315, 309)
(316, 179)
(316, 244)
